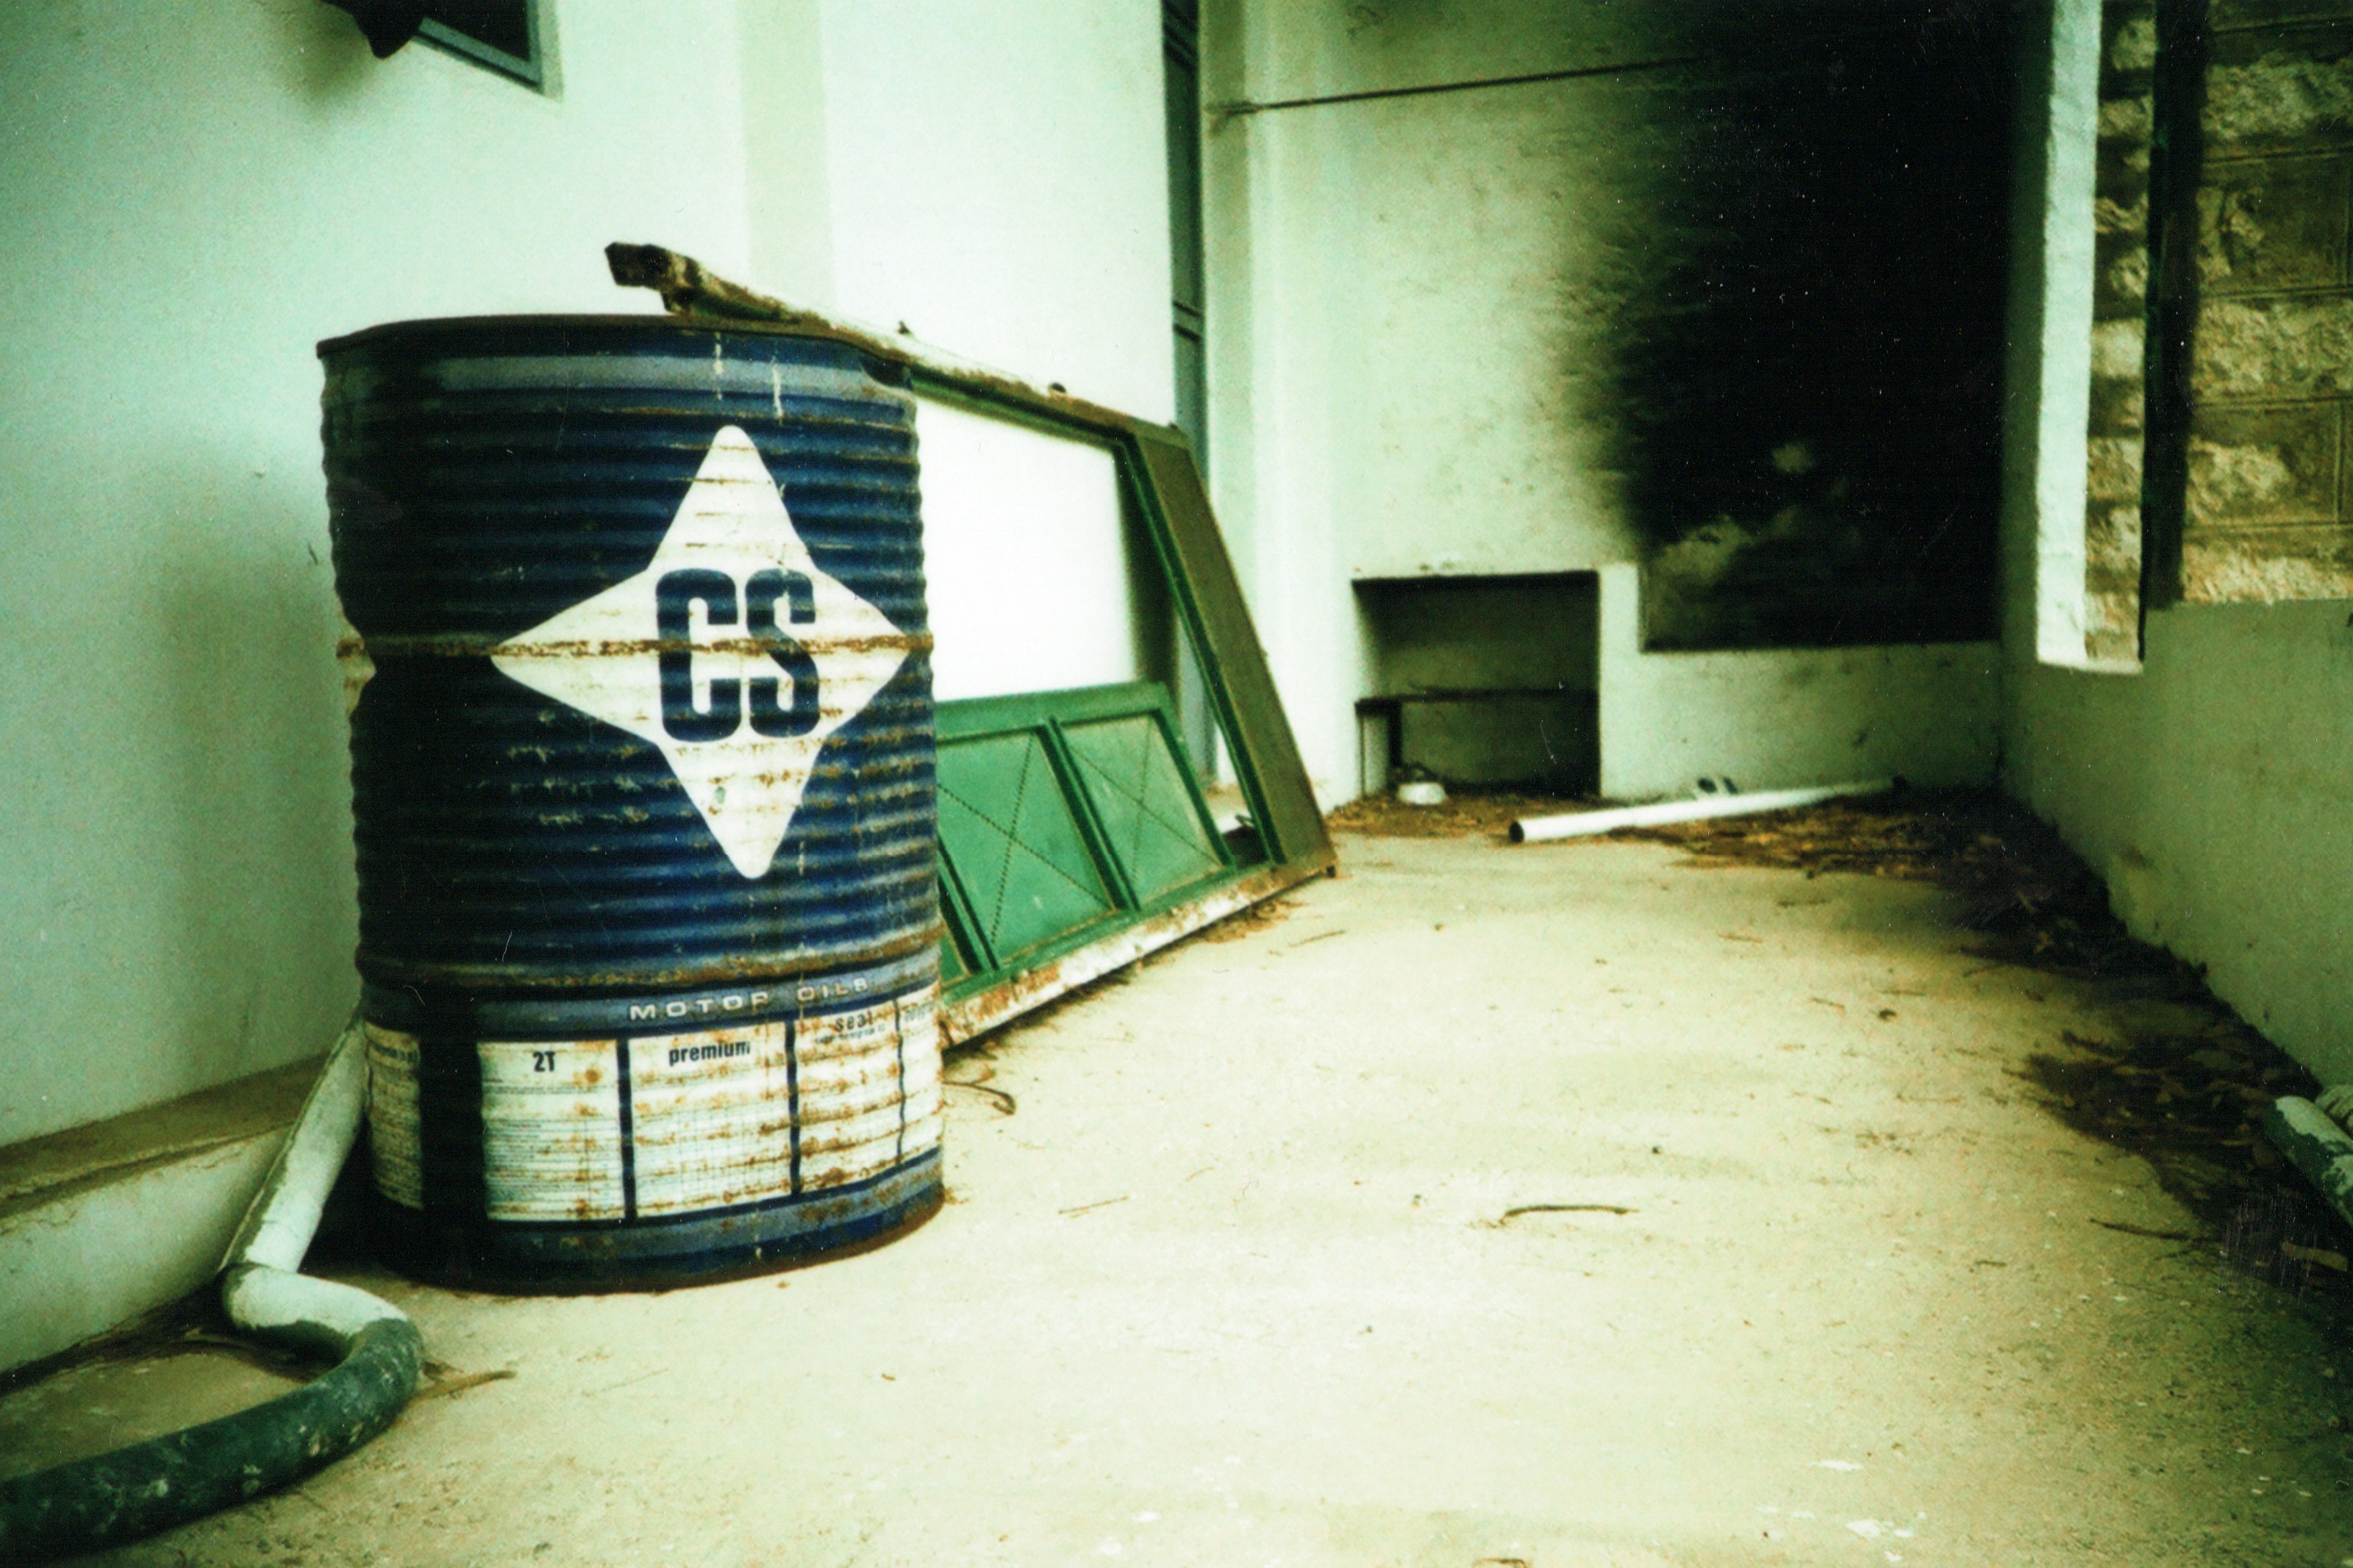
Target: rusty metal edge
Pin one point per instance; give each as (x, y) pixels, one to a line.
(695, 295)
(1158, 462)
(969, 1017)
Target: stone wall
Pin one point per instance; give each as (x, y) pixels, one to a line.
(2269, 508)
(2119, 302)
(2208, 785)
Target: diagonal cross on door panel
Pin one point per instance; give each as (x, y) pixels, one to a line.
(1140, 797)
(1017, 847)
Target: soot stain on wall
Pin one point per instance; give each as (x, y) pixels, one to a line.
(1808, 380)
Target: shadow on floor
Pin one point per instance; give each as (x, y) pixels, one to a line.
(2178, 1079)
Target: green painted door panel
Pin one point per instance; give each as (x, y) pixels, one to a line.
(1064, 816)
(1018, 850)
(1149, 811)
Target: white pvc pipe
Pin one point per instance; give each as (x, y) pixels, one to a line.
(1584, 824)
(106, 1498)
(262, 1286)
(284, 1214)
(2317, 1146)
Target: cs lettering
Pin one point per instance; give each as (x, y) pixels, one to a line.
(779, 709)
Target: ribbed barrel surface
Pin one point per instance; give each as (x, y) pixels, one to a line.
(642, 785)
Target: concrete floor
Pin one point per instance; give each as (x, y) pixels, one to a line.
(1240, 1282)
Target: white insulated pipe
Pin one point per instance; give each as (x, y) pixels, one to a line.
(262, 1286)
(108, 1499)
(2311, 1138)
(1585, 823)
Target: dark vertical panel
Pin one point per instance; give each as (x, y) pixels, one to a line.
(449, 1128)
(1188, 320)
(1810, 371)
(2173, 163)
(625, 1093)
(1181, 77)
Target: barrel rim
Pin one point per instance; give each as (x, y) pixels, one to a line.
(703, 1247)
(705, 326)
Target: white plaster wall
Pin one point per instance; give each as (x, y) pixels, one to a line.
(787, 162)
(1412, 305)
(998, 183)
(2057, 136)
(993, 179)
(1930, 714)
(192, 196)
(1471, 442)
(2211, 788)
(1303, 366)
(2212, 791)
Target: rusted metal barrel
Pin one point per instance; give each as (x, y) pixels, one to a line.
(642, 792)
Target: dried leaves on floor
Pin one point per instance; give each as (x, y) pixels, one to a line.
(1464, 814)
(2177, 1078)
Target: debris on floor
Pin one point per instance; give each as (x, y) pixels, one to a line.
(1465, 812)
(1248, 922)
(2178, 1077)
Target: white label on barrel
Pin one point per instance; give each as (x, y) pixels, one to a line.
(676, 1124)
(712, 1119)
(732, 652)
(852, 1094)
(551, 1146)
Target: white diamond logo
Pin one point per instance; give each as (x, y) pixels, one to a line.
(732, 651)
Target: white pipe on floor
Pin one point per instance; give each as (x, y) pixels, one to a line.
(262, 1286)
(106, 1498)
(2317, 1146)
(1583, 824)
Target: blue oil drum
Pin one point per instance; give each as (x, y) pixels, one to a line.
(642, 793)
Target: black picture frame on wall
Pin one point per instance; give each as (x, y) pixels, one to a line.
(508, 37)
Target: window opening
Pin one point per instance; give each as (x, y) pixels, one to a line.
(509, 37)
(504, 35)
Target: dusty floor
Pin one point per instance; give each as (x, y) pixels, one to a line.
(1568, 1205)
